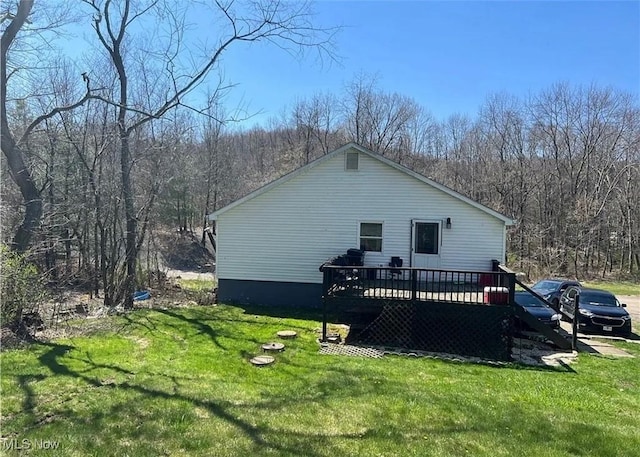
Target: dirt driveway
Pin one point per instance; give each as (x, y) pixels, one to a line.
(184, 274)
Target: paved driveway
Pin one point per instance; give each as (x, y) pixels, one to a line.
(633, 307)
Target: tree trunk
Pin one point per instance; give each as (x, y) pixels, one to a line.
(30, 193)
(131, 252)
(12, 151)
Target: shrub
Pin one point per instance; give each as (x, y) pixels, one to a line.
(21, 288)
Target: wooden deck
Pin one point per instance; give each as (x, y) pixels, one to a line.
(432, 299)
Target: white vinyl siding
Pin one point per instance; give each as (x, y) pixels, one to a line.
(285, 233)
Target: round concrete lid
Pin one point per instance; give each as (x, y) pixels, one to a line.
(287, 334)
(275, 347)
(262, 360)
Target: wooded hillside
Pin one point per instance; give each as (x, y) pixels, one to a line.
(97, 165)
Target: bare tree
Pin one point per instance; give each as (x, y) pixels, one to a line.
(12, 140)
(18, 169)
(376, 119)
(286, 25)
(314, 126)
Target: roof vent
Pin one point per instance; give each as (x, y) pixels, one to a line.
(351, 161)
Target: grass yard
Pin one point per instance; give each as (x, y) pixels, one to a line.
(177, 382)
(196, 285)
(617, 288)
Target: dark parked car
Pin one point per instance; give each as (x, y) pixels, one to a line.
(599, 311)
(551, 289)
(537, 308)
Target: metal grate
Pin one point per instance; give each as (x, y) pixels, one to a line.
(526, 352)
(347, 349)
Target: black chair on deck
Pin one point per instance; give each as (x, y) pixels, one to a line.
(396, 262)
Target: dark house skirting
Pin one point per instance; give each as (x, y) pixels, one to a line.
(271, 293)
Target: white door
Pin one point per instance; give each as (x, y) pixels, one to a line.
(425, 244)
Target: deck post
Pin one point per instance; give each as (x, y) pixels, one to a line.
(511, 283)
(325, 289)
(414, 284)
(324, 320)
(574, 324)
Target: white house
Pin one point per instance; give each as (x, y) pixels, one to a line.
(271, 242)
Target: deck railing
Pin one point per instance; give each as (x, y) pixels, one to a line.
(412, 284)
(450, 311)
(551, 334)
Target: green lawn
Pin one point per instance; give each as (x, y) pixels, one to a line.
(177, 382)
(196, 285)
(617, 288)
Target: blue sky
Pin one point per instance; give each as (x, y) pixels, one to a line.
(449, 56)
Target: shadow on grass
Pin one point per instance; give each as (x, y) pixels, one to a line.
(263, 437)
(51, 360)
(462, 418)
(54, 360)
(153, 326)
(198, 324)
(317, 381)
(24, 381)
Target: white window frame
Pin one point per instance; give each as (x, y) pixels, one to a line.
(381, 238)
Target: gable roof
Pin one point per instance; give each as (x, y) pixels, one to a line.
(349, 146)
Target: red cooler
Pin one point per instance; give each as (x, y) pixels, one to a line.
(496, 295)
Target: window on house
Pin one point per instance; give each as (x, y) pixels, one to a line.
(426, 234)
(351, 161)
(371, 236)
